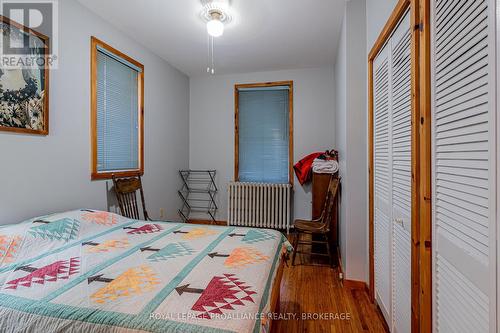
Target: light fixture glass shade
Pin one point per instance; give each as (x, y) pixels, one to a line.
(215, 28)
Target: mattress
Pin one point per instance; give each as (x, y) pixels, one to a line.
(94, 271)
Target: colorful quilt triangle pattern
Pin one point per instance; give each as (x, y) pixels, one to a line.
(65, 229)
(8, 248)
(255, 236)
(102, 218)
(222, 293)
(196, 233)
(172, 251)
(133, 281)
(145, 229)
(109, 245)
(243, 256)
(58, 270)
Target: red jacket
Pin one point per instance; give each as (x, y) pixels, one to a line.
(303, 168)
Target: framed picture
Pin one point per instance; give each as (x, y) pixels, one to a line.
(24, 79)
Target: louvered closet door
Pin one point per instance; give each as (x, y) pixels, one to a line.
(464, 256)
(401, 176)
(382, 182)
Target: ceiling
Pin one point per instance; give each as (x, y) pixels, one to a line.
(263, 34)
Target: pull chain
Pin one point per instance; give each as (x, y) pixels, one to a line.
(208, 53)
(213, 60)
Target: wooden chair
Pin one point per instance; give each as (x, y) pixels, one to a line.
(320, 226)
(125, 190)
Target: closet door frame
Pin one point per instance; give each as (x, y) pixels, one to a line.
(421, 241)
(424, 146)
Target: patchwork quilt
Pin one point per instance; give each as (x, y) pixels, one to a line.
(93, 271)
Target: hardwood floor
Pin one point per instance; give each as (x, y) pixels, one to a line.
(310, 289)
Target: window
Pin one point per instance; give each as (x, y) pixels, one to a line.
(264, 132)
(117, 104)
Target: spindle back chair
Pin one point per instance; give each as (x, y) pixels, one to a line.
(126, 193)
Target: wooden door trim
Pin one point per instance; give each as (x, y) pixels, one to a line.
(415, 169)
(424, 226)
(421, 254)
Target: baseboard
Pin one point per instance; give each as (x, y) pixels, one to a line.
(209, 222)
(354, 284)
(363, 286)
(339, 261)
(351, 284)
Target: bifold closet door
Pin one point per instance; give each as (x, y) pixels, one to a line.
(382, 182)
(392, 177)
(400, 125)
(463, 140)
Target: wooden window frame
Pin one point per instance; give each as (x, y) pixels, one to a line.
(96, 175)
(290, 123)
(421, 238)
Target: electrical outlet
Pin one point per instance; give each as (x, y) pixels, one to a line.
(341, 276)
(162, 213)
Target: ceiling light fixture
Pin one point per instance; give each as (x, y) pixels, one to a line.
(215, 27)
(215, 14)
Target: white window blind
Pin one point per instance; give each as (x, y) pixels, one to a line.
(117, 114)
(264, 135)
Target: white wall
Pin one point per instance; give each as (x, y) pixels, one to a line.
(40, 175)
(351, 130)
(377, 14)
(363, 22)
(212, 124)
(341, 132)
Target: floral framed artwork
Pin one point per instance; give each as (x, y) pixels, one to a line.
(24, 79)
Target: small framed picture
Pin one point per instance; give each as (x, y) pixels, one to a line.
(24, 79)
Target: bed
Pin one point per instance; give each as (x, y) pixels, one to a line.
(94, 271)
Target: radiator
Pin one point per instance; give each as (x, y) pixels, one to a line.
(259, 205)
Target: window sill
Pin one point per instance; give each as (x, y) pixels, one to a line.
(119, 174)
